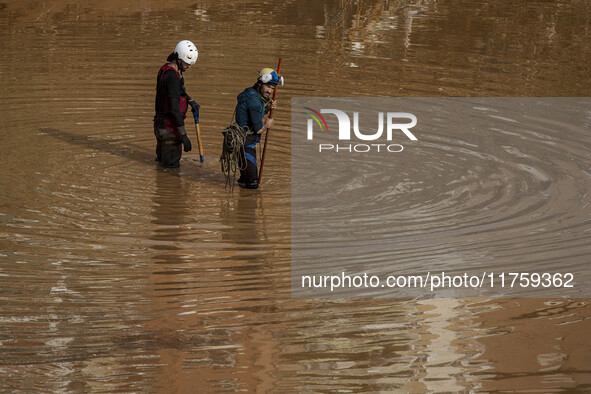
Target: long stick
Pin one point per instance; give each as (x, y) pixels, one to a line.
(198, 131)
(268, 130)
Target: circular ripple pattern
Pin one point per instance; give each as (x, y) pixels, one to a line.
(117, 276)
(491, 184)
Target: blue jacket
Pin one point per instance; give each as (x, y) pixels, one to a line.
(250, 110)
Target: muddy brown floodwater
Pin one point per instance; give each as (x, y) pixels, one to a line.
(118, 276)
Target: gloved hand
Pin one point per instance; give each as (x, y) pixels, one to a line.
(195, 108)
(194, 105)
(186, 143)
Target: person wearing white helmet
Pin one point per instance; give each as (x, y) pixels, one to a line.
(253, 103)
(171, 105)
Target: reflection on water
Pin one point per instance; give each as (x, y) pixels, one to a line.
(116, 275)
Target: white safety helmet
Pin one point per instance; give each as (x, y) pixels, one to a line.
(187, 51)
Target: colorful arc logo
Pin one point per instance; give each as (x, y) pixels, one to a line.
(317, 117)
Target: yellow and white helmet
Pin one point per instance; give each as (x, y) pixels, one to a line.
(270, 76)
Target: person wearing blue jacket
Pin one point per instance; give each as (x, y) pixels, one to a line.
(253, 104)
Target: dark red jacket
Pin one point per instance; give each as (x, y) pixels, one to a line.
(171, 100)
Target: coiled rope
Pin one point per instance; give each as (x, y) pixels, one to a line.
(232, 156)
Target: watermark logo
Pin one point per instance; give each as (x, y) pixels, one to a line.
(317, 117)
(395, 122)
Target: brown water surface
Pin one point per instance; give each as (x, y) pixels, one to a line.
(117, 275)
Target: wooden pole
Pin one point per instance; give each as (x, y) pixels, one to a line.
(267, 134)
(199, 142)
